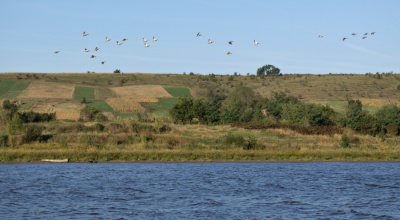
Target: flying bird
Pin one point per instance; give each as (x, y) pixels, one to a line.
(198, 34)
(87, 50)
(102, 62)
(354, 34)
(372, 33)
(107, 39)
(255, 42)
(93, 56)
(118, 43)
(85, 34)
(144, 40)
(344, 39)
(146, 45)
(320, 36)
(124, 39)
(57, 51)
(96, 49)
(364, 37)
(210, 41)
(154, 39)
(230, 42)
(366, 34)
(229, 53)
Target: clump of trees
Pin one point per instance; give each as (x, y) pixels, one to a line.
(243, 107)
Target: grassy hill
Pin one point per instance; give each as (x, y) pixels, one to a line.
(50, 92)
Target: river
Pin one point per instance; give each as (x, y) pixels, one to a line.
(313, 190)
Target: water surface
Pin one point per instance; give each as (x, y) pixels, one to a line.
(200, 191)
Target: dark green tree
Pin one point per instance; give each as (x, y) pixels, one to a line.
(182, 111)
(388, 119)
(268, 70)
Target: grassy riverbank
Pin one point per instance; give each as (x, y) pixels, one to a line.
(202, 143)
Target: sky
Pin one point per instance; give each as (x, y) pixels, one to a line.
(287, 32)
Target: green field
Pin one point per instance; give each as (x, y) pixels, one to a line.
(178, 91)
(161, 108)
(101, 105)
(83, 91)
(12, 88)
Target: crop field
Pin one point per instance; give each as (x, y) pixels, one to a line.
(161, 108)
(12, 88)
(126, 105)
(6, 85)
(49, 90)
(141, 91)
(83, 91)
(67, 111)
(101, 105)
(178, 91)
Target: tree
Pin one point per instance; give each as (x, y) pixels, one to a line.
(268, 70)
(359, 120)
(388, 119)
(182, 111)
(14, 127)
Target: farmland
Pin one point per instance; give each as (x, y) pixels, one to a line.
(139, 125)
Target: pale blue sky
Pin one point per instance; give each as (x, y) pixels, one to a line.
(287, 31)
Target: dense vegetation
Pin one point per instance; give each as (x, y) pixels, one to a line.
(243, 106)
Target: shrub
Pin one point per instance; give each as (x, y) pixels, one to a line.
(33, 133)
(232, 139)
(345, 141)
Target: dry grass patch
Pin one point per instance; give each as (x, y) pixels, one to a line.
(378, 102)
(129, 104)
(63, 110)
(49, 90)
(141, 91)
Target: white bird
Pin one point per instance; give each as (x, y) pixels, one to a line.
(96, 49)
(229, 53)
(85, 34)
(210, 41)
(146, 45)
(230, 42)
(198, 34)
(118, 43)
(144, 40)
(93, 56)
(107, 39)
(154, 39)
(87, 50)
(255, 42)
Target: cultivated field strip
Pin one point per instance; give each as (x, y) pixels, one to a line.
(48, 90)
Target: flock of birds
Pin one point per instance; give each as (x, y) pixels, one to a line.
(154, 39)
(145, 43)
(364, 36)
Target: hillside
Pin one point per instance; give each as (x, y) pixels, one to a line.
(125, 95)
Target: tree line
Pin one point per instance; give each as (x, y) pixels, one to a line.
(245, 107)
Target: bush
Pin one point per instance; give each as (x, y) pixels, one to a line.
(232, 139)
(33, 133)
(345, 141)
(3, 140)
(251, 144)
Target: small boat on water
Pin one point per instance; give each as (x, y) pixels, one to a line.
(56, 161)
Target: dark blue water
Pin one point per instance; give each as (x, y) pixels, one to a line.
(200, 191)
